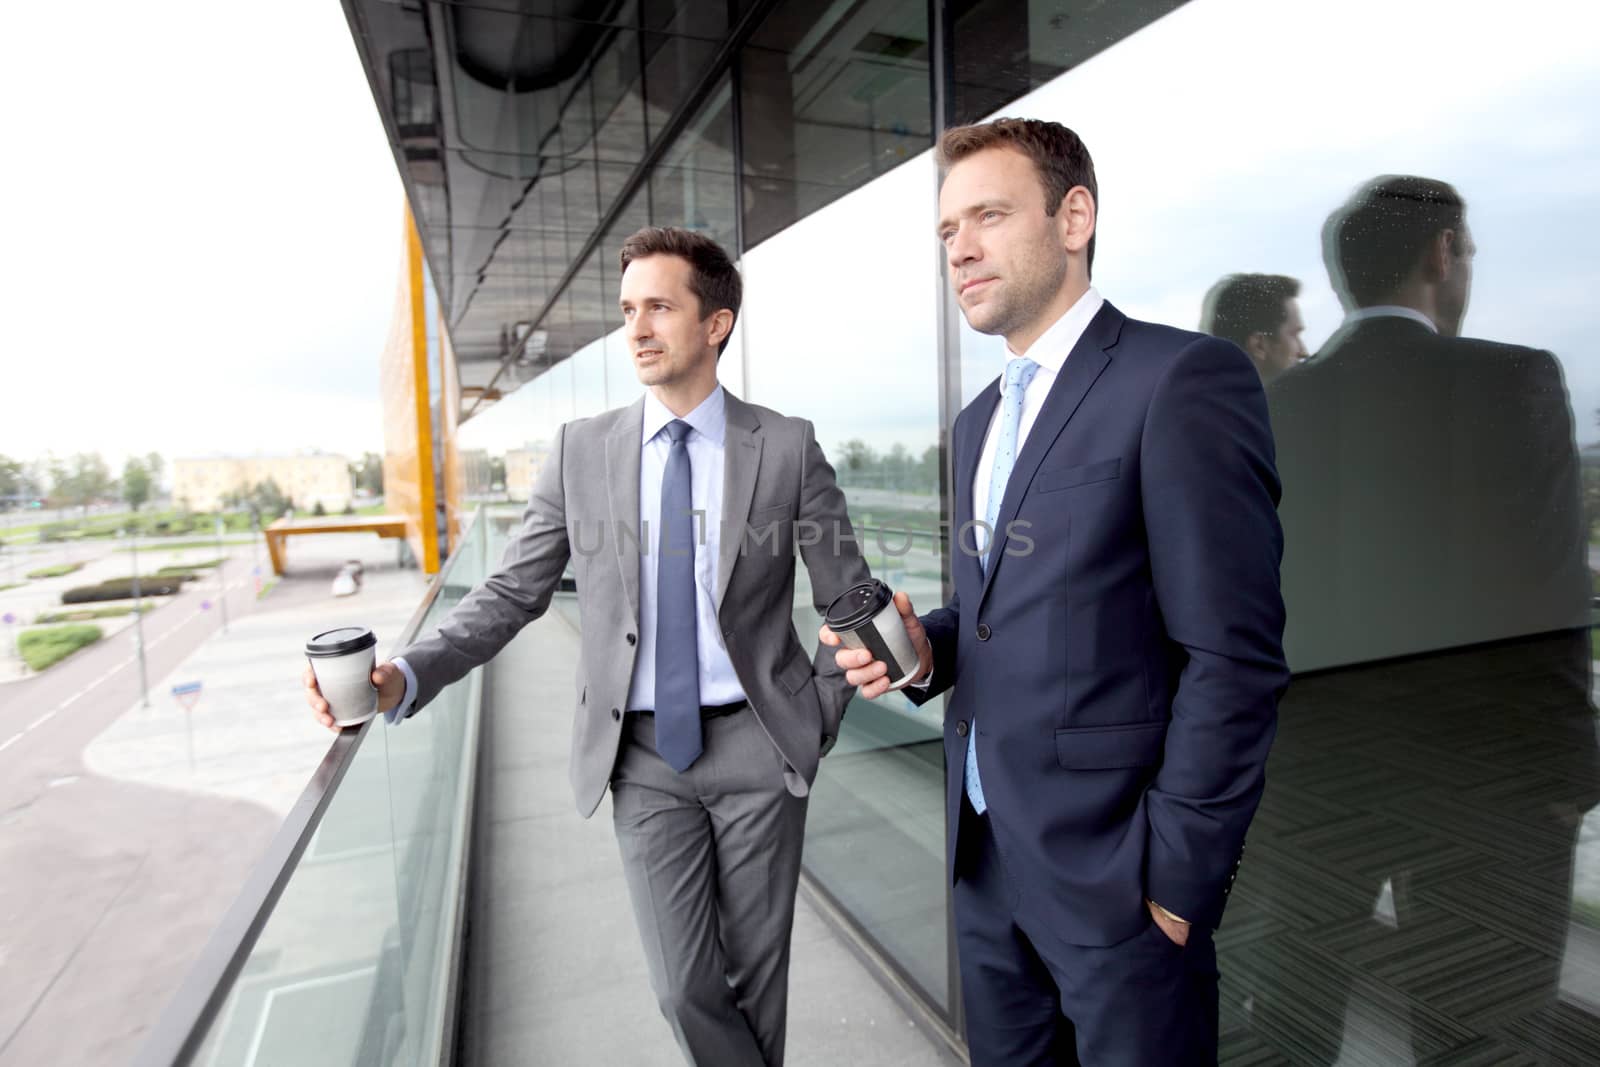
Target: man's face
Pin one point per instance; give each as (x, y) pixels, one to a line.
(1006, 256)
(1456, 286)
(661, 319)
(1286, 346)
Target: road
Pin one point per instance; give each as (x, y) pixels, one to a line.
(98, 900)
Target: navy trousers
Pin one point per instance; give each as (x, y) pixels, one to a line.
(1032, 1000)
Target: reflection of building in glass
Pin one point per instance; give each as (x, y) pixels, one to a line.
(307, 480)
(1415, 886)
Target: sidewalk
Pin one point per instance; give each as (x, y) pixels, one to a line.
(250, 735)
(120, 866)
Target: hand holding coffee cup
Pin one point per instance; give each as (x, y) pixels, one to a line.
(880, 641)
(343, 686)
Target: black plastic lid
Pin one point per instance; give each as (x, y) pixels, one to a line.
(340, 642)
(857, 606)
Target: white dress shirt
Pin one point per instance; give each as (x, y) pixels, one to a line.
(1050, 351)
(1389, 311)
(708, 426)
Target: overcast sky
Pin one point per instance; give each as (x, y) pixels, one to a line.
(202, 231)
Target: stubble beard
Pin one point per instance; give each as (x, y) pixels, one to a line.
(1036, 284)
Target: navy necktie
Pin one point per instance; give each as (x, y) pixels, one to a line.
(677, 643)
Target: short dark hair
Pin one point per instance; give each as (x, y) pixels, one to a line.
(1377, 236)
(713, 278)
(1059, 155)
(1243, 304)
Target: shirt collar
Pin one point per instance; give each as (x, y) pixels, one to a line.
(1395, 311)
(1050, 351)
(710, 419)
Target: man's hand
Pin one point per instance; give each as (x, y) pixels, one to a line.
(1176, 929)
(386, 679)
(870, 675)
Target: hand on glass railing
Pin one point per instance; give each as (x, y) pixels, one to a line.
(386, 679)
(872, 675)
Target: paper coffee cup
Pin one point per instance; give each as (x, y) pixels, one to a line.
(864, 616)
(342, 660)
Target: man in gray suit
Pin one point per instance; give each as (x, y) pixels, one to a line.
(697, 702)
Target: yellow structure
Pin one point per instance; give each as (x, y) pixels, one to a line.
(308, 480)
(409, 488)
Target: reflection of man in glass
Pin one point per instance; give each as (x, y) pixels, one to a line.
(1259, 313)
(1115, 683)
(1431, 505)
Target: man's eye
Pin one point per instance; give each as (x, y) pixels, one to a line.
(988, 215)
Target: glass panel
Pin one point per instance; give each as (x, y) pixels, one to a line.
(694, 184)
(1422, 882)
(830, 97)
(349, 968)
(875, 833)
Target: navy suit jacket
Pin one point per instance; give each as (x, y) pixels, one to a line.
(1122, 657)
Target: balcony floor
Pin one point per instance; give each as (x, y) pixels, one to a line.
(554, 971)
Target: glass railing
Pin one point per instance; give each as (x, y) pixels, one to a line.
(344, 946)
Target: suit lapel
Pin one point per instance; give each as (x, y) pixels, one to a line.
(1083, 367)
(623, 446)
(741, 458)
(970, 432)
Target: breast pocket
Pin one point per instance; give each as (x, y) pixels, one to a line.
(1058, 478)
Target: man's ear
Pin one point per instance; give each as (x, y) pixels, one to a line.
(721, 325)
(1256, 346)
(1076, 218)
(1438, 256)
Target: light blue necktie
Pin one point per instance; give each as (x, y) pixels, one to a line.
(677, 644)
(1019, 372)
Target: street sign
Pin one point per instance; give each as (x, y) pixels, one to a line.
(187, 694)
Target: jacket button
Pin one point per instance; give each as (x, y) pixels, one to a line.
(632, 639)
(984, 631)
(616, 715)
(961, 727)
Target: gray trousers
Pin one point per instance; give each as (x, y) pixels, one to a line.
(712, 858)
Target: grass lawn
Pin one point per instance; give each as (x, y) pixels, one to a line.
(48, 645)
(85, 614)
(11, 585)
(54, 571)
(1594, 643)
(155, 545)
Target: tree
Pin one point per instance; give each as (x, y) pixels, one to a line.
(157, 467)
(13, 480)
(368, 474)
(136, 483)
(81, 481)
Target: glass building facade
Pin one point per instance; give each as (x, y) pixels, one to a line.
(1422, 882)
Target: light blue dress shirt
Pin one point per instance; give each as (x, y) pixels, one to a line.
(718, 682)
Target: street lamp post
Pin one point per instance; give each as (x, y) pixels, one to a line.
(138, 616)
(222, 595)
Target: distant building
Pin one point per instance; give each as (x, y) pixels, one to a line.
(522, 467)
(200, 484)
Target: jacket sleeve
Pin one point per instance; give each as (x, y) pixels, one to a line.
(834, 563)
(1209, 493)
(518, 592)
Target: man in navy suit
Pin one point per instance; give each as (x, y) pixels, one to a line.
(1114, 651)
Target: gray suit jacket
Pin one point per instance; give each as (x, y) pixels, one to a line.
(586, 494)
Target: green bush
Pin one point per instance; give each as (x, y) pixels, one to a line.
(122, 589)
(10, 585)
(179, 571)
(50, 644)
(55, 571)
(57, 531)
